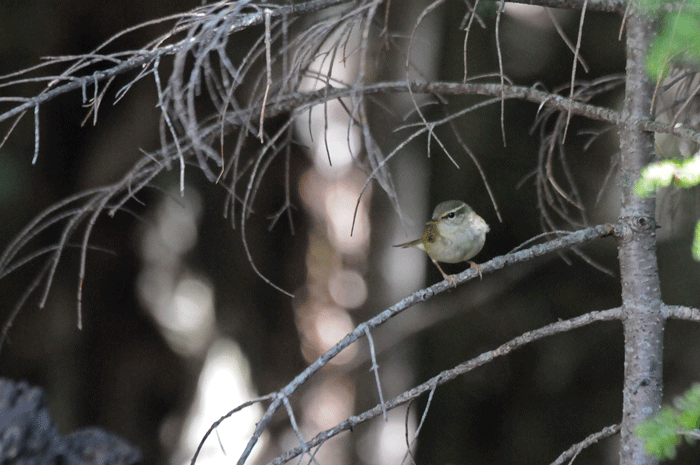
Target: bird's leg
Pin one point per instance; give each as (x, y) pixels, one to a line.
(445, 275)
(478, 268)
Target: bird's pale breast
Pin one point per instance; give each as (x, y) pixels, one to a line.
(457, 244)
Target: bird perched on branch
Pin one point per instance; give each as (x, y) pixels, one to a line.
(454, 234)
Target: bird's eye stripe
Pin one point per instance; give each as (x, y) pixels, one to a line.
(453, 213)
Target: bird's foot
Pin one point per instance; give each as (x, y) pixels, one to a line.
(478, 268)
(451, 279)
(448, 277)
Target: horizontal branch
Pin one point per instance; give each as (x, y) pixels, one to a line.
(546, 99)
(447, 375)
(301, 101)
(682, 313)
(606, 6)
(610, 6)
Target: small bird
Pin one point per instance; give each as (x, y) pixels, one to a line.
(455, 234)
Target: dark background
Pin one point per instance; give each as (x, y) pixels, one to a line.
(120, 374)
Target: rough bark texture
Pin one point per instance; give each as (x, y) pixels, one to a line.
(641, 296)
(28, 436)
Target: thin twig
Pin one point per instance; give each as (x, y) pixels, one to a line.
(268, 68)
(497, 29)
(375, 369)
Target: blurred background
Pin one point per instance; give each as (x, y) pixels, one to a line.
(178, 329)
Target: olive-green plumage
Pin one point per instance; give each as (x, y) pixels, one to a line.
(454, 234)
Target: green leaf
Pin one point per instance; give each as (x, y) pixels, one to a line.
(661, 432)
(656, 175)
(689, 408)
(682, 173)
(688, 173)
(696, 243)
(678, 42)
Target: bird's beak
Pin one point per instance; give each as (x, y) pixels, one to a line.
(431, 222)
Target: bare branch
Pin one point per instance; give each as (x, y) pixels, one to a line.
(610, 6)
(448, 375)
(578, 237)
(574, 450)
(225, 417)
(682, 313)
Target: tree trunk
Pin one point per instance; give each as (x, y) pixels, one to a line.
(641, 296)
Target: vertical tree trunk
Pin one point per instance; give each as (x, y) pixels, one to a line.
(641, 297)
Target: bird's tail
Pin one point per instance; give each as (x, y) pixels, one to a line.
(408, 244)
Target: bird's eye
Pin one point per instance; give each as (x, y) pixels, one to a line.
(451, 215)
